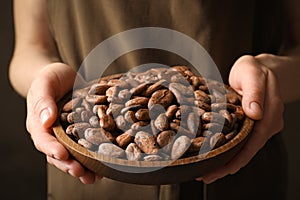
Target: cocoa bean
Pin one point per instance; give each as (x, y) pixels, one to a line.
(121, 122)
(162, 97)
(111, 150)
(154, 87)
(124, 139)
(171, 110)
(180, 146)
(161, 122)
(97, 136)
(98, 89)
(217, 140)
(73, 103)
(196, 144)
(146, 142)
(96, 99)
(152, 157)
(86, 144)
(164, 140)
(133, 152)
(142, 115)
(141, 101)
(130, 116)
(194, 124)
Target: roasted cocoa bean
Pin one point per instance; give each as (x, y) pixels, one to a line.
(213, 117)
(142, 114)
(63, 118)
(194, 124)
(96, 99)
(111, 150)
(139, 89)
(86, 115)
(141, 125)
(124, 139)
(202, 96)
(133, 152)
(86, 144)
(86, 105)
(140, 101)
(233, 98)
(161, 122)
(239, 113)
(121, 122)
(73, 117)
(152, 157)
(112, 91)
(98, 89)
(146, 142)
(114, 109)
(73, 103)
(215, 127)
(124, 94)
(164, 140)
(154, 87)
(94, 121)
(217, 140)
(79, 129)
(230, 135)
(171, 110)
(130, 116)
(216, 107)
(180, 146)
(107, 122)
(162, 97)
(82, 93)
(97, 136)
(196, 144)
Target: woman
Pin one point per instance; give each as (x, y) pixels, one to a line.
(256, 50)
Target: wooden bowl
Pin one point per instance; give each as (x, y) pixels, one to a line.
(155, 172)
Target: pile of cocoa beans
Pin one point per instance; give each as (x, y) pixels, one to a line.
(158, 114)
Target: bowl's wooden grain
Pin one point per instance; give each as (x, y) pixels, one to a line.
(155, 172)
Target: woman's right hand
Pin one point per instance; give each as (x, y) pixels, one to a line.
(52, 83)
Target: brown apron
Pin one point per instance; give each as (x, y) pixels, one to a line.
(226, 29)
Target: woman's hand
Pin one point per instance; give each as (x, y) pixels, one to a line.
(51, 84)
(261, 101)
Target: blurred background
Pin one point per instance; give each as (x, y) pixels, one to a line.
(23, 168)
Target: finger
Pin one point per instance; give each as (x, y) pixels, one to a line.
(74, 168)
(271, 123)
(239, 161)
(53, 82)
(88, 178)
(69, 166)
(42, 109)
(248, 79)
(42, 136)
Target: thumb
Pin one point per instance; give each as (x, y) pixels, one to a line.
(53, 82)
(46, 89)
(248, 79)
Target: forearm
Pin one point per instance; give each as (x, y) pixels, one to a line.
(26, 64)
(34, 45)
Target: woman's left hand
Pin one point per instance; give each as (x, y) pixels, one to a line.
(262, 102)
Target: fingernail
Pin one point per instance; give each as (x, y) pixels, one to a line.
(255, 107)
(44, 116)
